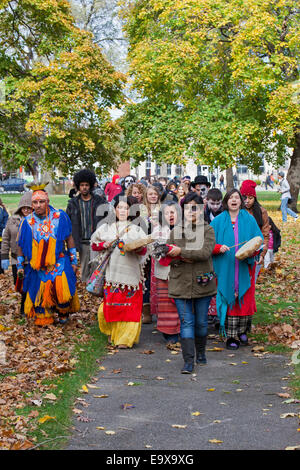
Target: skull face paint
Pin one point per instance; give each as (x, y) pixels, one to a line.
(202, 190)
(128, 181)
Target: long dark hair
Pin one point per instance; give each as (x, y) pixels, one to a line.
(227, 196)
(132, 203)
(257, 214)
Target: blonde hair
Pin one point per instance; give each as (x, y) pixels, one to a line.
(148, 205)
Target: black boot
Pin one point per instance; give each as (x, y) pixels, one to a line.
(188, 352)
(200, 343)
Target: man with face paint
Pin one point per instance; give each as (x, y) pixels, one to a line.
(126, 183)
(49, 278)
(201, 186)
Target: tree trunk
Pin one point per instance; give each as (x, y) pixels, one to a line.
(229, 179)
(293, 175)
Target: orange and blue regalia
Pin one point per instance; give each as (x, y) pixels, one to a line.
(49, 281)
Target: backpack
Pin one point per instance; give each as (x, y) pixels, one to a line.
(276, 236)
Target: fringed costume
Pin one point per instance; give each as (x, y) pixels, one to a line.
(49, 282)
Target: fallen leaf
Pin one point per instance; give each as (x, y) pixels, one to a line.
(100, 428)
(284, 395)
(289, 415)
(91, 386)
(127, 406)
(100, 396)
(258, 349)
(210, 389)
(110, 433)
(179, 426)
(196, 413)
(46, 418)
(160, 378)
(84, 389)
(148, 351)
(77, 411)
(215, 441)
(50, 396)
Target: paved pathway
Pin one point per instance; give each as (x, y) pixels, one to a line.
(243, 410)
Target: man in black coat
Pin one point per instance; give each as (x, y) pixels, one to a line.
(85, 211)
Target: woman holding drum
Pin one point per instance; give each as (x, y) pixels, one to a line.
(235, 277)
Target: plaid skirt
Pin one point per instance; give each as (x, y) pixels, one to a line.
(235, 326)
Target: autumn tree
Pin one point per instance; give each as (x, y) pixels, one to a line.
(59, 90)
(217, 82)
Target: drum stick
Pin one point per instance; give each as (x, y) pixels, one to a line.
(236, 245)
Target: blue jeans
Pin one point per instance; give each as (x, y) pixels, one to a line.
(193, 316)
(285, 210)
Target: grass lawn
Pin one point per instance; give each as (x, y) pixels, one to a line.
(11, 201)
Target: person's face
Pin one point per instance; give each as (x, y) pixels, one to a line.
(128, 181)
(84, 188)
(152, 196)
(136, 193)
(172, 188)
(26, 211)
(122, 211)
(40, 207)
(234, 202)
(249, 201)
(180, 191)
(201, 190)
(163, 182)
(170, 215)
(192, 212)
(214, 206)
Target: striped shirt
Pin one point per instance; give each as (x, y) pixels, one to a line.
(86, 218)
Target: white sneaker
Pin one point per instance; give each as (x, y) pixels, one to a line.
(296, 218)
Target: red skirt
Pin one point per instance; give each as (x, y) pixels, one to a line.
(248, 305)
(122, 304)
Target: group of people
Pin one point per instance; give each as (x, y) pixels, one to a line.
(180, 269)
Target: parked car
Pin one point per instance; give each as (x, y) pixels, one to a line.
(13, 184)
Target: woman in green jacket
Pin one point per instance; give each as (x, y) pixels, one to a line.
(192, 281)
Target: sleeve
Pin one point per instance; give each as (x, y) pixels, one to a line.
(97, 246)
(5, 245)
(206, 251)
(217, 248)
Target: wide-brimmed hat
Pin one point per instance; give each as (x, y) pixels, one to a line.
(201, 179)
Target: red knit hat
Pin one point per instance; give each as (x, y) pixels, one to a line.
(248, 188)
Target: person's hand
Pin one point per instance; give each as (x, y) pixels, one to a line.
(20, 273)
(75, 269)
(106, 245)
(261, 259)
(4, 264)
(176, 250)
(224, 248)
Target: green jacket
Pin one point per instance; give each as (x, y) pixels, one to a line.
(183, 283)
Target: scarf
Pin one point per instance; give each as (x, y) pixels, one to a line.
(232, 274)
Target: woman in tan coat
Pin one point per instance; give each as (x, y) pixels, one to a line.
(9, 238)
(191, 281)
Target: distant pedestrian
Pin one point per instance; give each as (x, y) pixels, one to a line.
(222, 183)
(113, 189)
(213, 180)
(285, 198)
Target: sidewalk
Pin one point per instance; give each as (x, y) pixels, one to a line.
(235, 394)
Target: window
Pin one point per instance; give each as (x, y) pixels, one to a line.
(157, 170)
(169, 170)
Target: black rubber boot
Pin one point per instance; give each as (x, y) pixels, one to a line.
(188, 353)
(200, 343)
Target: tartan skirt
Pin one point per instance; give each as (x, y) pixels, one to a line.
(164, 307)
(235, 326)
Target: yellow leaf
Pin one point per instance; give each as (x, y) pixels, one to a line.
(179, 426)
(46, 418)
(85, 389)
(196, 413)
(110, 433)
(210, 389)
(100, 396)
(215, 441)
(101, 428)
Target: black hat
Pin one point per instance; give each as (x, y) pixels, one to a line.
(200, 179)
